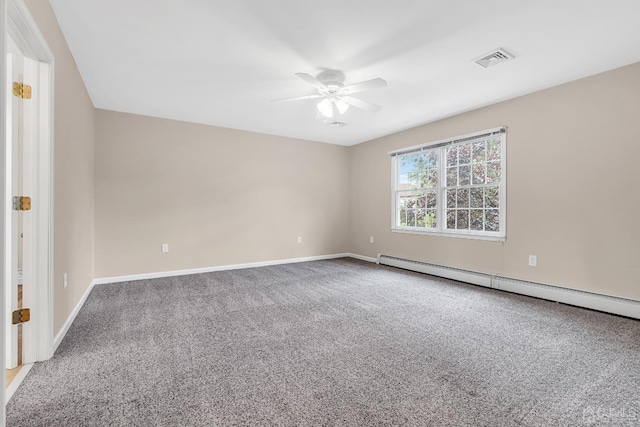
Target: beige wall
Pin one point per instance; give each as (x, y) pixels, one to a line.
(216, 196)
(572, 188)
(73, 171)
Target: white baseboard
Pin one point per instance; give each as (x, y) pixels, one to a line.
(607, 303)
(22, 374)
(363, 258)
(65, 328)
(143, 276)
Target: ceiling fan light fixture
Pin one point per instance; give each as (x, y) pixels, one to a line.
(341, 106)
(326, 107)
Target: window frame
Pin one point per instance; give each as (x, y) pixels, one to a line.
(441, 209)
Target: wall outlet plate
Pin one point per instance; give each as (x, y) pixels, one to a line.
(533, 260)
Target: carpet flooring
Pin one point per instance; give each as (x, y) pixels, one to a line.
(338, 342)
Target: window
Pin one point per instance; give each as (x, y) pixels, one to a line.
(454, 187)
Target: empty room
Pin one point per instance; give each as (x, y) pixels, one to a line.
(339, 213)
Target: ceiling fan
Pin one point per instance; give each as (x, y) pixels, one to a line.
(336, 97)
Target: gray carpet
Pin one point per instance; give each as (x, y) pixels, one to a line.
(338, 342)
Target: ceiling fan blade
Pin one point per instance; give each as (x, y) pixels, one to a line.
(366, 85)
(311, 80)
(297, 98)
(359, 103)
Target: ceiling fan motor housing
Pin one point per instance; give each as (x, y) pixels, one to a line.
(328, 77)
(333, 80)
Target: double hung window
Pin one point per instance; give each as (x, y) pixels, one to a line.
(454, 187)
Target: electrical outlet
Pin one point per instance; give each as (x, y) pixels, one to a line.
(165, 248)
(65, 280)
(299, 239)
(370, 239)
(533, 260)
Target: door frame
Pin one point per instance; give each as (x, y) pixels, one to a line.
(18, 23)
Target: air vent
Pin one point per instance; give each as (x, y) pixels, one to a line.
(336, 124)
(496, 57)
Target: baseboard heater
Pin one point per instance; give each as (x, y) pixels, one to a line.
(606, 303)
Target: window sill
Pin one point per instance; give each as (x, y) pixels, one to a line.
(448, 234)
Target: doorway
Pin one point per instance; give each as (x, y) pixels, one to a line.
(28, 188)
(19, 117)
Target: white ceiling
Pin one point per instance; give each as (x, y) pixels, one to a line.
(222, 62)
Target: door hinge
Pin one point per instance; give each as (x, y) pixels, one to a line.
(21, 316)
(21, 90)
(21, 203)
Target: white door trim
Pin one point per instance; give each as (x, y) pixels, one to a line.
(21, 27)
(3, 132)
(14, 63)
(19, 24)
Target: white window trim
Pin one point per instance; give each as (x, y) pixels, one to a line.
(441, 231)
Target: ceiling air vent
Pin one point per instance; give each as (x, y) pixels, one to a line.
(496, 57)
(336, 124)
